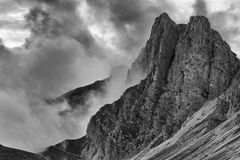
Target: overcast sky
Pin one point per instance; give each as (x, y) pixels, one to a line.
(133, 16)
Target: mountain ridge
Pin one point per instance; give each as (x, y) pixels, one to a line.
(186, 66)
(186, 104)
(211, 133)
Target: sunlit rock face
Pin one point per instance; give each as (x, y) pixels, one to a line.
(188, 69)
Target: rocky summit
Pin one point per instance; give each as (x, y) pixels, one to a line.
(186, 107)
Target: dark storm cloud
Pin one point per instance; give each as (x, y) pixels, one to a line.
(40, 23)
(132, 19)
(57, 17)
(200, 8)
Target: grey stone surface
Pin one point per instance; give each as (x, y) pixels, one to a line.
(212, 133)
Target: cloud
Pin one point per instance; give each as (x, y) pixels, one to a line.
(61, 50)
(66, 5)
(200, 8)
(12, 24)
(40, 23)
(58, 18)
(225, 21)
(59, 55)
(44, 70)
(62, 53)
(9, 7)
(33, 126)
(228, 29)
(130, 19)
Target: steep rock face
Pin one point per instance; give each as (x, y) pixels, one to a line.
(211, 133)
(203, 68)
(163, 38)
(14, 154)
(185, 72)
(186, 65)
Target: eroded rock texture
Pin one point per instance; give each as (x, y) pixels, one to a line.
(186, 66)
(212, 133)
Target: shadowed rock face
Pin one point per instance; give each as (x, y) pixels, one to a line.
(14, 154)
(164, 36)
(185, 66)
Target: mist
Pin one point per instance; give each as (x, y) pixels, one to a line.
(59, 55)
(73, 43)
(47, 69)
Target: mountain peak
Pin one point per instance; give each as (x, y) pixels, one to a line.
(163, 22)
(185, 66)
(199, 18)
(199, 23)
(164, 15)
(164, 30)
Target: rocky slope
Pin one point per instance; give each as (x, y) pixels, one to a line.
(188, 67)
(212, 133)
(14, 154)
